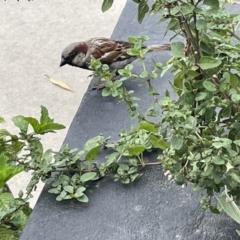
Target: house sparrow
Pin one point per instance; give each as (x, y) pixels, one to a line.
(109, 51)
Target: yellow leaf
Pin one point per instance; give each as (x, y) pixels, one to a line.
(229, 166)
(60, 83)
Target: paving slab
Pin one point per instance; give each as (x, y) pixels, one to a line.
(151, 208)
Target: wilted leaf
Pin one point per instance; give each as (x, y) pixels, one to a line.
(60, 83)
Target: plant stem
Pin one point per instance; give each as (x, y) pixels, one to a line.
(233, 34)
(73, 170)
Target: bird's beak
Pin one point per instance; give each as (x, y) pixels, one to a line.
(63, 62)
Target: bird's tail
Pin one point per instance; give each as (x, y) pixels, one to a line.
(160, 47)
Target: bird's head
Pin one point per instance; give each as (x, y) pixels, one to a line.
(74, 54)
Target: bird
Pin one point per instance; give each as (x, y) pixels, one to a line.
(109, 51)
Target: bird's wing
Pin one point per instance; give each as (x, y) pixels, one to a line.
(109, 50)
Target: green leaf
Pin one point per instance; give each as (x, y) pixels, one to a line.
(137, 1)
(209, 62)
(21, 123)
(226, 112)
(54, 190)
(59, 198)
(237, 142)
(221, 142)
(173, 25)
(44, 116)
(83, 198)
(176, 142)
(87, 176)
(178, 81)
(34, 123)
(92, 143)
(175, 10)
(235, 98)
(229, 166)
(68, 197)
(187, 8)
(234, 79)
(135, 150)
(125, 180)
(92, 153)
(235, 177)
(106, 92)
(7, 234)
(177, 49)
(147, 126)
(179, 179)
(143, 8)
(4, 133)
(214, 210)
(5, 199)
(20, 217)
(2, 120)
(144, 74)
(134, 176)
(81, 189)
(209, 86)
(106, 5)
(50, 127)
(229, 206)
(200, 96)
(191, 122)
(7, 171)
(63, 194)
(207, 170)
(218, 160)
(158, 143)
(68, 188)
(189, 98)
(133, 170)
(201, 24)
(212, 3)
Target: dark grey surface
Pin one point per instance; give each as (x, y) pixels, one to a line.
(151, 208)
